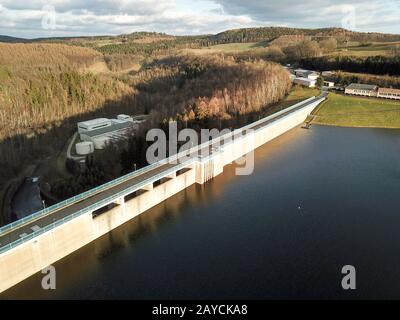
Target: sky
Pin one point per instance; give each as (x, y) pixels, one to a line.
(53, 18)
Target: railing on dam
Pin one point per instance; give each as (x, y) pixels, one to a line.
(95, 206)
(227, 138)
(131, 175)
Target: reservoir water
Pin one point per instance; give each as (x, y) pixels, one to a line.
(318, 200)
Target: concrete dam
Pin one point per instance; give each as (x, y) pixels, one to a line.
(31, 244)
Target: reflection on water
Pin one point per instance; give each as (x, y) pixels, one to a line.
(318, 199)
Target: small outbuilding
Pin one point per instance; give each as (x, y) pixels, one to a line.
(329, 84)
(309, 74)
(84, 148)
(310, 83)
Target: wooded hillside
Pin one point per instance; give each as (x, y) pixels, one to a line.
(42, 84)
(45, 89)
(197, 92)
(374, 65)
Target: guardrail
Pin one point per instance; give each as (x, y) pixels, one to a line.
(93, 206)
(75, 199)
(136, 173)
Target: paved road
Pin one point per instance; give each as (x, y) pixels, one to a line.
(29, 227)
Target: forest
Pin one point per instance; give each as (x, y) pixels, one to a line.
(380, 65)
(46, 89)
(270, 33)
(346, 78)
(197, 92)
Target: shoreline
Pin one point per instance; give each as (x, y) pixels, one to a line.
(340, 110)
(356, 127)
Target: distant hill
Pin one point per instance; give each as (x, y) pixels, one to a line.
(148, 43)
(12, 39)
(243, 35)
(272, 33)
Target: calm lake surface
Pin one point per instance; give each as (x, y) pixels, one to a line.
(319, 199)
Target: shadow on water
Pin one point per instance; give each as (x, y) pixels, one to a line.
(318, 199)
(91, 259)
(77, 270)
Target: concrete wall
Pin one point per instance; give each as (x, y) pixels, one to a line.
(30, 257)
(34, 255)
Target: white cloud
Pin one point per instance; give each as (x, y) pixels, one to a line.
(97, 6)
(371, 15)
(96, 17)
(93, 17)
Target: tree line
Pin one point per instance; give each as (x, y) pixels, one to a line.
(380, 65)
(345, 78)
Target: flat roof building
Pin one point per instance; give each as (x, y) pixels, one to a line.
(305, 82)
(102, 131)
(93, 124)
(302, 73)
(389, 93)
(312, 75)
(360, 89)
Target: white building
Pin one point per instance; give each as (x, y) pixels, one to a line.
(303, 73)
(360, 89)
(388, 93)
(312, 75)
(102, 131)
(84, 148)
(329, 84)
(94, 124)
(305, 82)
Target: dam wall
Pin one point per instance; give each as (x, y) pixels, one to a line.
(33, 255)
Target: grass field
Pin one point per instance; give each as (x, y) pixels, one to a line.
(356, 49)
(349, 111)
(235, 47)
(353, 49)
(372, 49)
(298, 94)
(226, 48)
